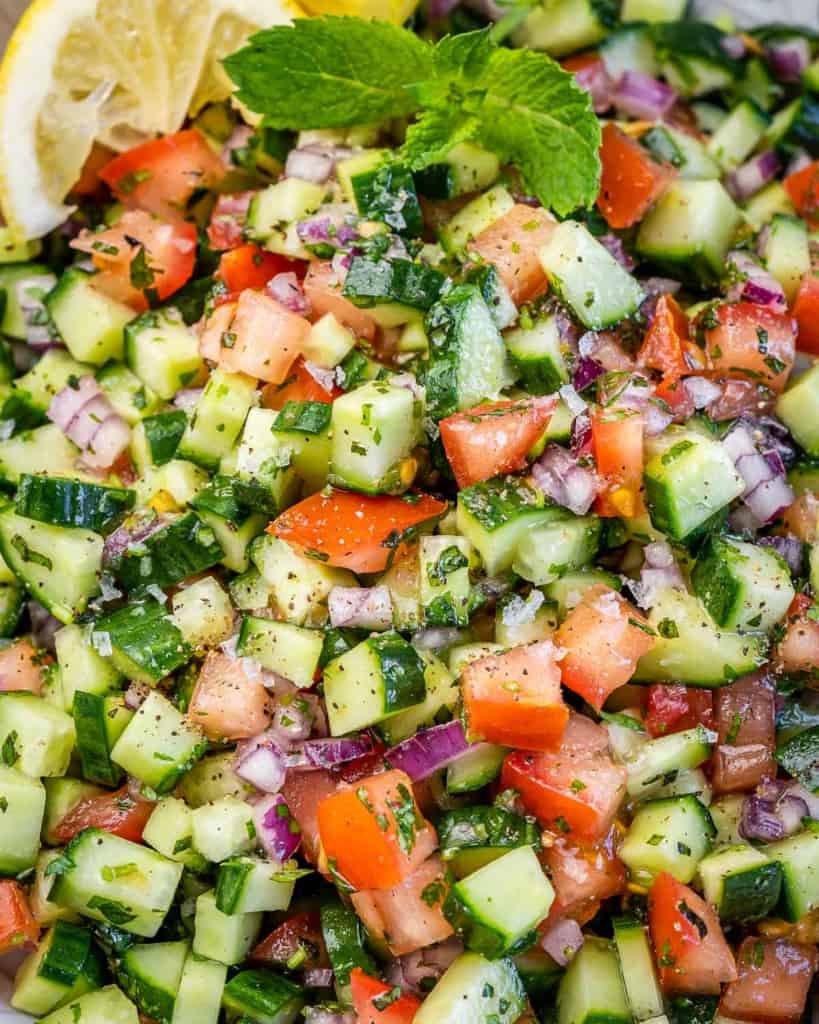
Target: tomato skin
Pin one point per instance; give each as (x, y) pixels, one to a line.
(161, 175)
(18, 929)
(803, 188)
(752, 341)
(583, 875)
(677, 398)
(301, 931)
(494, 438)
(806, 312)
(631, 181)
(774, 978)
(365, 988)
(354, 531)
(249, 266)
(21, 668)
(512, 244)
(693, 957)
(298, 386)
(303, 792)
(617, 443)
(667, 346)
(226, 703)
(227, 221)
(745, 720)
(119, 813)
(798, 651)
(351, 826)
(514, 698)
(674, 708)
(323, 291)
(268, 337)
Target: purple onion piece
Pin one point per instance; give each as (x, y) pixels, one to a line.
(789, 58)
(276, 828)
(594, 79)
(360, 607)
(562, 941)
(429, 750)
(770, 499)
(321, 1015)
(187, 398)
(760, 821)
(263, 768)
(326, 753)
(129, 534)
(318, 977)
(702, 391)
(641, 96)
(753, 175)
(615, 246)
(586, 371)
(733, 46)
(788, 548)
(312, 165)
(560, 477)
(286, 289)
(414, 971)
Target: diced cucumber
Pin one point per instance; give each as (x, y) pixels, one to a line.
(223, 937)
(273, 213)
(118, 882)
(462, 655)
(24, 801)
(36, 737)
(15, 250)
(344, 939)
(798, 857)
(548, 550)
(744, 587)
(566, 26)
(376, 679)
(49, 375)
(12, 599)
(475, 217)
(99, 722)
(170, 832)
(223, 828)
(786, 252)
(263, 462)
(569, 589)
(477, 768)
(738, 134)
(539, 354)
(591, 991)
(629, 48)
(473, 989)
(63, 967)
(199, 996)
(683, 151)
(263, 997)
(304, 428)
(218, 418)
(691, 649)
(163, 352)
(130, 398)
(249, 884)
(658, 762)
(645, 998)
(374, 282)
(44, 450)
(298, 585)
(653, 10)
(108, 1005)
(73, 503)
(203, 613)
(91, 323)
(466, 168)
(211, 779)
(770, 201)
(797, 410)
(290, 651)
(693, 59)
(81, 667)
(743, 883)
(445, 588)
(62, 796)
(156, 438)
(183, 548)
(588, 278)
(442, 693)
(149, 972)
(142, 641)
(475, 836)
(798, 753)
(219, 505)
(170, 487)
(328, 342)
(12, 318)
(670, 835)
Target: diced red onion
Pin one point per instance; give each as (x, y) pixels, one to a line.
(562, 941)
(751, 176)
(43, 625)
(788, 548)
(656, 419)
(770, 499)
(436, 638)
(614, 244)
(798, 162)
(136, 695)
(409, 381)
(276, 828)
(655, 288)
(429, 750)
(702, 391)
(318, 977)
(776, 809)
(733, 46)
(754, 470)
(738, 442)
(226, 228)
(286, 289)
(87, 418)
(238, 139)
(292, 721)
(755, 284)
(641, 96)
(68, 402)
(595, 80)
(360, 607)
(321, 1015)
(659, 572)
(129, 534)
(313, 164)
(586, 371)
(326, 753)
(788, 58)
(791, 810)
(187, 399)
(760, 821)
(263, 768)
(560, 477)
(415, 971)
(110, 440)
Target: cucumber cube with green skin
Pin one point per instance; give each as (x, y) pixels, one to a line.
(328, 342)
(548, 550)
(569, 589)
(273, 213)
(63, 967)
(488, 909)
(588, 278)
(479, 214)
(786, 253)
(495, 295)
(62, 795)
(743, 883)
(149, 972)
(263, 462)
(156, 438)
(799, 756)
(108, 1005)
(23, 801)
(591, 991)
(72, 503)
(43, 450)
(223, 828)
(691, 649)
(738, 134)
(645, 997)
(376, 679)
(495, 516)
(521, 620)
(81, 667)
(688, 479)
(159, 744)
(36, 738)
(170, 832)
(468, 361)
(91, 324)
(12, 318)
(797, 407)
(248, 884)
(304, 428)
(218, 418)
(263, 997)
(49, 375)
(804, 476)
(657, 762)
(15, 251)
(344, 939)
(99, 722)
(203, 613)
(442, 692)
(798, 857)
(385, 192)
(475, 989)
(372, 282)
(142, 641)
(222, 507)
(744, 587)
(690, 229)
(290, 651)
(163, 352)
(444, 574)
(672, 834)
(374, 429)
(540, 356)
(473, 837)
(115, 881)
(130, 398)
(211, 779)
(183, 548)
(199, 999)
(226, 938)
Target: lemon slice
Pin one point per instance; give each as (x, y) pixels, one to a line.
(118, 71)
(396, 11)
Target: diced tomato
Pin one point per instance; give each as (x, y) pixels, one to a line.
(774, 979)
(515, 699)
(323, 291)
(21, 667)
(581, 61)
(674, 708)
(18, 929)
(303, 792)
(408, 916)
(803, 188)
(248, 266)
(583, 875)
(604, 637)
(373, 833)
(368, 764)
(367, 993)
(802, 518)
(693, 957)
(745, 722)
(227, 703)
(89, 181)
(495, 437)
(677, 397)
(667, 346)
(806, 313)
(739, 397)
(299, 934)
(227, 221)
(161, 175)
(119, 813)
(617, 442)
(631, 180)
(355, 531)
(575, 789)
(798, 651)
(298, 386)
(512, 244)
(752, 341)
(140, 256)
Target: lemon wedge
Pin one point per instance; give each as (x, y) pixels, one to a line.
(396, 11)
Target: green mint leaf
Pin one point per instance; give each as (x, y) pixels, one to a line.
(330, 72)
(467, 55)
(432, 137)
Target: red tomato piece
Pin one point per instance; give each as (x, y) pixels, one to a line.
(18, 929)
(803, 188)
(667, 346)
(494, 438)
(806, 312)
(119, 813)
(798, 651)
(408, 916)
(514, 698)
(227, 221)
(355, 531)
(674, 708)
(265, 337)
(161, 175)
(774, 978)
(226, 703)
(513, 244)
(604, 637)
(21, 667)
(583, 875)
(575, 789)
(249, 266)
(745, 722)
(617, 442)
(298, 386)
(323, 290)
(301, 932)
(140, 256)
(752, 341)
(802, 519)
(693, 957)
(738, 397)
(373, 833)
(303, 792)
(366, 993)
(631, 180)
(677, 398)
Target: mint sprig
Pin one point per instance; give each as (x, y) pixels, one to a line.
(335, 72)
